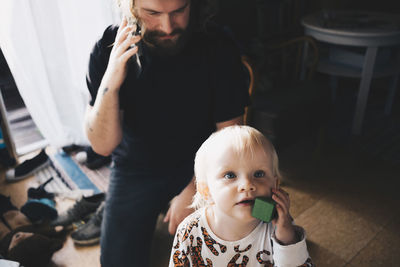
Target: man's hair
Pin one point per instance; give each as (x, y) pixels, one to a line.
(242, 139)
(201, 11)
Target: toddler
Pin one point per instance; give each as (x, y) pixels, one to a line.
(233, 167)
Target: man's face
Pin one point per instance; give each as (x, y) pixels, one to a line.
(164, 23)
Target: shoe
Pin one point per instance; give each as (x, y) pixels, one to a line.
(89, 233)
(81, 157)
(94, 160)
(28, 167)
(40, 210)
(40, 192)
(81, 210)
(71, 148)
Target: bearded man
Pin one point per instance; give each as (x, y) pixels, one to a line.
(156, 96)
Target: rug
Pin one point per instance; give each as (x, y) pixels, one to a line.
(72, 177)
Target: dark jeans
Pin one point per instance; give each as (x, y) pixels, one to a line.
(134, 201)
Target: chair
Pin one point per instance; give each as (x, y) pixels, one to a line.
(250, 70)
(286, 102)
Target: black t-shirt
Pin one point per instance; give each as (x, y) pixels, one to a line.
(172, 107)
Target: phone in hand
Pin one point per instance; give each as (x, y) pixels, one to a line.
(136, 57)
(138, 29)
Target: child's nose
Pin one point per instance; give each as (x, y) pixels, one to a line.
(246, 184)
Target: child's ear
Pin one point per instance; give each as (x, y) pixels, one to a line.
(202, 188)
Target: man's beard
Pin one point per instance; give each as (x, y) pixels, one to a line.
(167, 47)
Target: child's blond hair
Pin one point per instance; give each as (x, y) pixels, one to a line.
(243, 139)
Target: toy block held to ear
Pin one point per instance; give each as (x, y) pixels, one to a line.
(264, 209)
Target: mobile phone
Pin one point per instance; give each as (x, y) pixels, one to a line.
(138, 29)
(136, 57)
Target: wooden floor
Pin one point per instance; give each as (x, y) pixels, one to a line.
(347, 203)
(70, 255)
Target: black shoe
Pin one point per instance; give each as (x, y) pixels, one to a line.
(71, 148)
(81, 210)
(38, 210)
(94, 160)
(5, 204)
(28, 167)
(89, 233)
(40, 192)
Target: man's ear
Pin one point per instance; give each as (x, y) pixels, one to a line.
(202, 188)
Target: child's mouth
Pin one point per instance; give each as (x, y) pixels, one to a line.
(246, 202)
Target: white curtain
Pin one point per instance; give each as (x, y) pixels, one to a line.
(47, 44)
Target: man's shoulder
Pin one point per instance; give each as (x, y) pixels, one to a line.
(109, 35)
(215, 32)
(219, 38)
(111, 30)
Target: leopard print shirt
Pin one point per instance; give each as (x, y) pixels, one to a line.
(196, 245)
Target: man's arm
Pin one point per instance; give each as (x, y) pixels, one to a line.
(103, 120)
(179, 207)
(103, 123)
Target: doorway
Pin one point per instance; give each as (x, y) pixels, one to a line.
(20, 132)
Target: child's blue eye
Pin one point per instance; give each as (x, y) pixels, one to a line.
(229, 175)
(259, 174)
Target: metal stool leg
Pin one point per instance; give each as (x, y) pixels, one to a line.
(390, 97)
(363, 92)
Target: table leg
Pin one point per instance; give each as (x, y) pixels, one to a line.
(303, 62)
(392, 92)
(333, 83)
(366, 77)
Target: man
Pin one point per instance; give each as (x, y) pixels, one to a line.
(155, 98)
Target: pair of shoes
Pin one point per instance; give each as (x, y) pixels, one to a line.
(91, 159)
(89, 233)
(81, 210)
(28, 167)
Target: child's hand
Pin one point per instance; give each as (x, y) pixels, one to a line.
(284, 232)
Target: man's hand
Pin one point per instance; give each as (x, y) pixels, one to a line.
(120, 54)
(179, 208)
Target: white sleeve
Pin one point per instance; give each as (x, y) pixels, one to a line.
(7, 263)
(290, 255)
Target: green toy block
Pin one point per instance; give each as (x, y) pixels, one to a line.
(264, 209)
